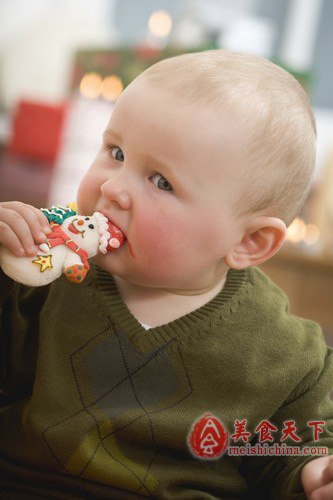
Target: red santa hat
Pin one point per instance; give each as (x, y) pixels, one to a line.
(111, 237)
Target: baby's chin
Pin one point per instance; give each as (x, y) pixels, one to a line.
(114, 267)
(104, 262)
(111, 264)
(136, 275)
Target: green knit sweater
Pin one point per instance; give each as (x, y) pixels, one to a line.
(95, 406)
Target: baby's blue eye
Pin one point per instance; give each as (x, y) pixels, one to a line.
(160, 182)
(117, 153)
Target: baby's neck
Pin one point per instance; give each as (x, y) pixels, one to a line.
(155, 307)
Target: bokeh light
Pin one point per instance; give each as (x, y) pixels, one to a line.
(91, 85)
(311, 234)
(296, 231)
(299, 232)
(112, 87)
(160, 23)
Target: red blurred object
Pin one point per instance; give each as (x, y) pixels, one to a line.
(36, 130)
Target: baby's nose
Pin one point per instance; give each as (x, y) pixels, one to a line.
(117, 191)
(80, 222)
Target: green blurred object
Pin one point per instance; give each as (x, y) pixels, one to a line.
(125, 63)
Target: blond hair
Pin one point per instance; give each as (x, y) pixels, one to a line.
(273, 107)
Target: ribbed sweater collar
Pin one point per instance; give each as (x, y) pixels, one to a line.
(189, 326)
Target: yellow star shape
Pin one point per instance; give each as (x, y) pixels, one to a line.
(44, 261)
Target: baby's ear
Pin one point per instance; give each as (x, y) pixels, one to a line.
(263, 238)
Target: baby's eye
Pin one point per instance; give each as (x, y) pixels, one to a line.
(117, 153)
(160, 182)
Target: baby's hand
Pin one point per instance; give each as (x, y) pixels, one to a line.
(22, 227)
(317, 478)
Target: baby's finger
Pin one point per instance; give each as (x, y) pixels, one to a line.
(327, 474)
(312, 473)
(33, 217)
(9, 239)
(323, 493)
(35, 220)
(43, 220)
(18, 225)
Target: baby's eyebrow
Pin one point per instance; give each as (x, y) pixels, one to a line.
(114, 134)
(168, 171)
(158, 164)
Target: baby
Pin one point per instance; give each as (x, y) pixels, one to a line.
(206, 160)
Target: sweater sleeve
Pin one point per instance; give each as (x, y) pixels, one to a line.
(278, 477)
(6, 286)
(19, 330)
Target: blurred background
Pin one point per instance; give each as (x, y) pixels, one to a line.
(63, 64)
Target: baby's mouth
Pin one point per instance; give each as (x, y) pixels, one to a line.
(117, 237)
(113, 238)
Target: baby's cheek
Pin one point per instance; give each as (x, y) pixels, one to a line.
(160, 240)
(88, 192)
(83, 197)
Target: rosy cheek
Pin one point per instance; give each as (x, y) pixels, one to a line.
(157, 239)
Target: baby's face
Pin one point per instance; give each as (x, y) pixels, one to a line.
(167, 174)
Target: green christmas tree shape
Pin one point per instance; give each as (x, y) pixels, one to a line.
(57, 213)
